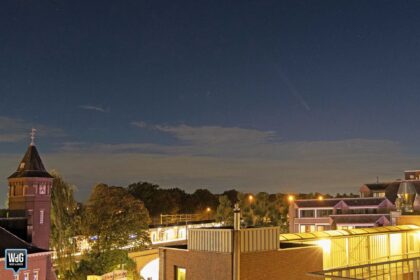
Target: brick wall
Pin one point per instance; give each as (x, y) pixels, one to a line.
(199, 265)
(290, 264)
(36, 262)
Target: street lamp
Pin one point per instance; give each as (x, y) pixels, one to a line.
(320, 197)
(250, 198)
(291, 198)
(208, 210)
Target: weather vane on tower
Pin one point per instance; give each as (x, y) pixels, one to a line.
(33, 131)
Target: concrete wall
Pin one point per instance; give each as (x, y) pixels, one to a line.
(199, 265)
(290, 264)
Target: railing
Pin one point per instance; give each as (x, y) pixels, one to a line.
(403, 268)
(179, 218)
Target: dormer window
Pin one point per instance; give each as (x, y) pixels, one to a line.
(22, 165)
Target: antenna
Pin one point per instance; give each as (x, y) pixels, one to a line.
(33, 132)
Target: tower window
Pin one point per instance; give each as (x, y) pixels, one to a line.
(42, 189)
(41, 217)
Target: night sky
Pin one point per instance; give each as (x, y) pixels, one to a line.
(276, 96)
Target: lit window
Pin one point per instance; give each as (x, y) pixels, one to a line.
(307, 228)
(16, 277)
(26, 276)
(41, 217)
(36, 275)
(180, 273)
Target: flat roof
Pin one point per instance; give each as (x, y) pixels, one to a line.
(345, 232)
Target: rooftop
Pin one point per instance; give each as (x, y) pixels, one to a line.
(9, 240)
(331, 202)
(286, 237)
(31, 165)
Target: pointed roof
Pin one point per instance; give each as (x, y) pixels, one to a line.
(31, 165)
(9, 240)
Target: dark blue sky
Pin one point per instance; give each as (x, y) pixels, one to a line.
(99, 77)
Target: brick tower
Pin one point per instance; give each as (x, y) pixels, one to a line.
(30, 190)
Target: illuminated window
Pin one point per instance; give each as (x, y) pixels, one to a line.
(36, 275)
(180, 273)
(320, 228)
(26, 276)
(41, 217)
(307, 228)
(16, 277)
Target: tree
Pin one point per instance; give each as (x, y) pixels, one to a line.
(101, 263)
(224, 211)
(115, 218)
(263, 209)
(65, 225)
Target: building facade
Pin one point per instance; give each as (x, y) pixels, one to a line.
(310, 215)
(26, 224)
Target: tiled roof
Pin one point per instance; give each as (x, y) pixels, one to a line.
(317, 203)
(358, 219)
(11, 241)
(31, 165)
(357, 201)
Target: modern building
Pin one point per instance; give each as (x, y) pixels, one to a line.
(387, 252)
(235, 253)
(26, 224)
(310, 215)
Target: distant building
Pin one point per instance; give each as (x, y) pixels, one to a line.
(372, 209)
(310, 215)
(26, 224)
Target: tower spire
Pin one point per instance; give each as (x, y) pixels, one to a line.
(33, 132)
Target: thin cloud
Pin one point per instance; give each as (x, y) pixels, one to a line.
(211, 135)
(15, 130)
(140, 124)
(93, 108)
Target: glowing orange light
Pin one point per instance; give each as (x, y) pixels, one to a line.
(290, 198)
(320, 197)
